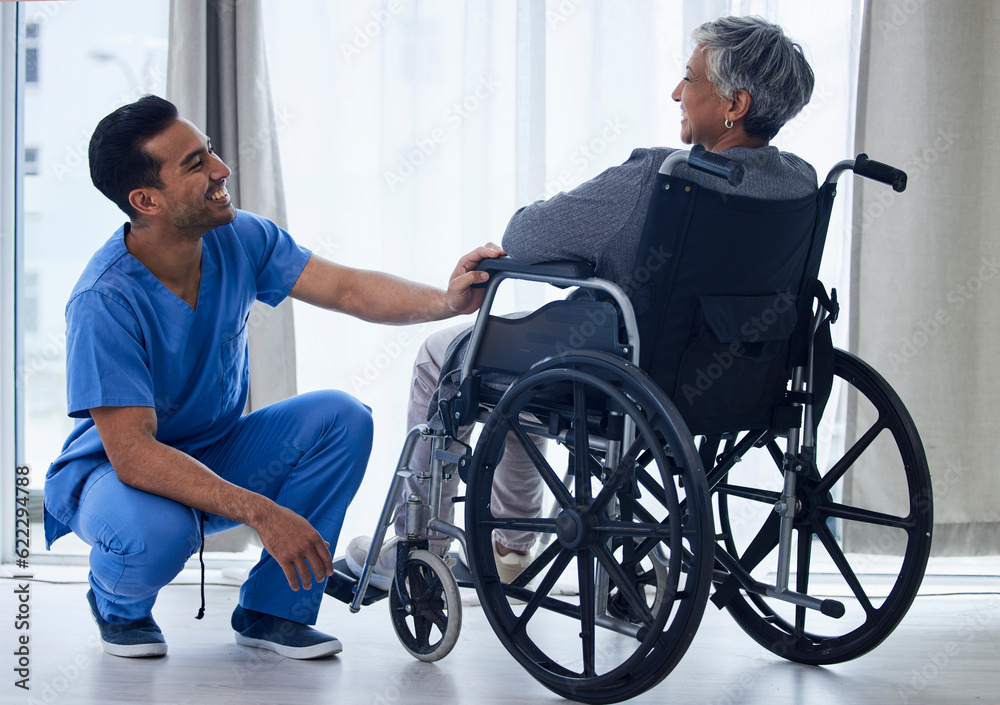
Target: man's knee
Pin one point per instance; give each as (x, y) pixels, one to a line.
(156, 541)
(355, 417)
(332, 408)
(339, 420)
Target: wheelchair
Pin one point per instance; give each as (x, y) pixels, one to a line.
(691, 457)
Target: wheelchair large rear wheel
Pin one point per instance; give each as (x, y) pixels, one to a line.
(862, 531)
(609, 606)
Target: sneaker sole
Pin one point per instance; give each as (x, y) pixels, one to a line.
(327, 648)
(134, 650)
(380, 582)
(131, 650)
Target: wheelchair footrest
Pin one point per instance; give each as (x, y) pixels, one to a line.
(463, 576)
(342, 584)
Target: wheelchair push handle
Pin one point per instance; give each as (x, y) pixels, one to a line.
(871, 169)
(716, 164)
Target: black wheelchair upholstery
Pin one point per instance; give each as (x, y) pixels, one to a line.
(717, 325)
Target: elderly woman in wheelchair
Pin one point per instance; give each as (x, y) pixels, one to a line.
(698, 337)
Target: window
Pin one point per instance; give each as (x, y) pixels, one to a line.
(29, 303)
(31, 53)
(118, 53)
(31, 161)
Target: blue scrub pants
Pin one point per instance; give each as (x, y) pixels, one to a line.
(307, 453)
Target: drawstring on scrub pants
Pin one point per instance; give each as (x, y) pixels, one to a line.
(201, 560)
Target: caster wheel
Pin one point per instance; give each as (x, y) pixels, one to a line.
(430, 628)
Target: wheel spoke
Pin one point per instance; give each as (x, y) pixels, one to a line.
(588, 617)
(422, 629)
(613, 483)
(623, 583)
(844, 464)
(866, 516)
(543, 526)
(545, 470)
(553, 574)
(581, 442)
(751, 493)
(651, 485)
(417, 584)
(536, 566)
(763, 543)
(802, 577)
(432, 588)
(639, 511)
(652, 530)
(732, 454)
(840, 560)
(437, 617)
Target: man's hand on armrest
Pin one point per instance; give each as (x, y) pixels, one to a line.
(574, 269)
(140, 461)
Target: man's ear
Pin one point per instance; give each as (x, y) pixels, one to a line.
(739, 106)
(145, 201)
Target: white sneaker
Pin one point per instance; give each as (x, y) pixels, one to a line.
(385, 566)
(511, 565)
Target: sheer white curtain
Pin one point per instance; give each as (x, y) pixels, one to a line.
(411, 131)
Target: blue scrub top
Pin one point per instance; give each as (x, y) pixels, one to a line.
(130, 341)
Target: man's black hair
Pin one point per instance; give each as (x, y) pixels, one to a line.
(119, 162)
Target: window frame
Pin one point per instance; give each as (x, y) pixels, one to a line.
(11, 251)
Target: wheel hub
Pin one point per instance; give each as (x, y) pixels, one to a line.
(573, 528)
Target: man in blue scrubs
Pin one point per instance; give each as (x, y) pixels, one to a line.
(157, 380)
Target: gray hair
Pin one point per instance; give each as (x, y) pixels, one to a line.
(754, 55)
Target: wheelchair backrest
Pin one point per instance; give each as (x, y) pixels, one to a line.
(725, 318)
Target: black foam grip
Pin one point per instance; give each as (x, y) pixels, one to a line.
(716, 164)
(871, 169)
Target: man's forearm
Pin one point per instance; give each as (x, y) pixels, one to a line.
(378, 297)
(371, 296)
(384, 298)
(158, 469)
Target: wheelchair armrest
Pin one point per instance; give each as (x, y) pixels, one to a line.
(571, 270)
(561, 274)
